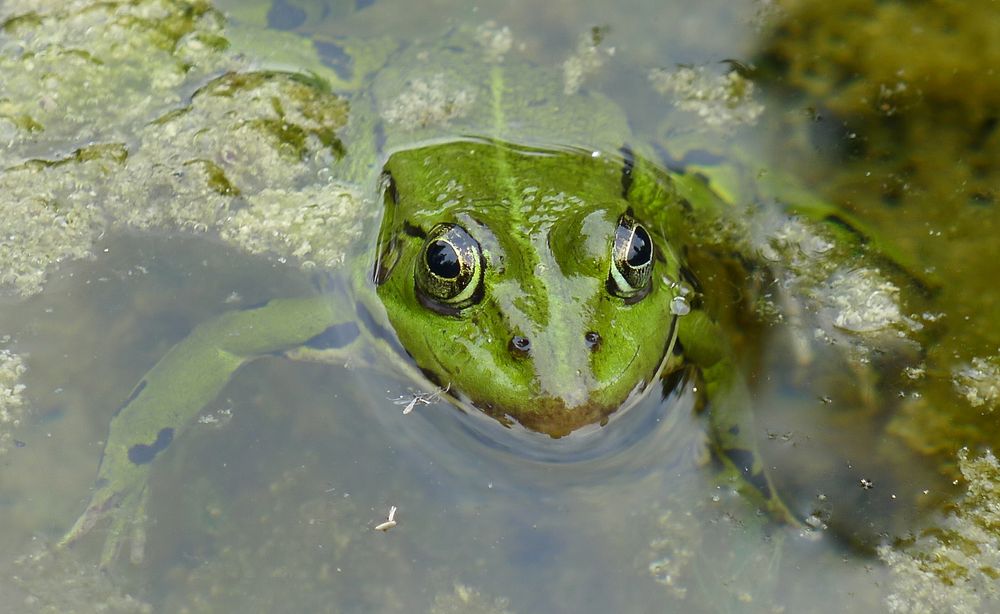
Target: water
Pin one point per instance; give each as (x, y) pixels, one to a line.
(270, 504)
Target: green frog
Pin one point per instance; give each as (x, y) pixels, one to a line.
(545, 286)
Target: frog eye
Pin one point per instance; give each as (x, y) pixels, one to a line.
(631, 260)
(449, 274)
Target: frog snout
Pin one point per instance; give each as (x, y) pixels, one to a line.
(520, 346)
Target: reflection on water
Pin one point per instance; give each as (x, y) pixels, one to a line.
(270, 503)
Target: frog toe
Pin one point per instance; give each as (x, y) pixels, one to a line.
(127, 515)
(98, 508)
(126, 526)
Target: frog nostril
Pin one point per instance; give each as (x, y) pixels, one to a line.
(593, 340)
(520, 346)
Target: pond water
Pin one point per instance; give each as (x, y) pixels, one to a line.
(270, 501)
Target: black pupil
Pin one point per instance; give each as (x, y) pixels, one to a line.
(522, 344)
(442, 260)
(641, 249)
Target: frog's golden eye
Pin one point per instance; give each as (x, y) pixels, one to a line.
(449, 274)
(631, 261)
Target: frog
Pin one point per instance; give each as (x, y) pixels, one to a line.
(529, 266)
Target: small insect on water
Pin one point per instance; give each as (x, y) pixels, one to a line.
(390, 521)
(423, 398)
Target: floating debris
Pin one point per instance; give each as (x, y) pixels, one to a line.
(390, 521)
(428, 102)
(863, 300)
(979, 382)
(585, 61)
(496, 40)
(720, 101)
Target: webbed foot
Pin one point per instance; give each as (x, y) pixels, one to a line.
(125, 508)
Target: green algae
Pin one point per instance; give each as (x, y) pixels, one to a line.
(315, 224)
(87, 72)
(148, 120)
(58, 583)
(954, 566)
(891, 112)
(12, 405)
(51, 214)
(167, 146)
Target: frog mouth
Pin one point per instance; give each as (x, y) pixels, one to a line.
(551, 416)
(639, 418)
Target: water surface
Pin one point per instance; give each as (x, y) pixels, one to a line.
(269, 502)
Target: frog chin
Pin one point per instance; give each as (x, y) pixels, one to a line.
(552, 417)
(555, 415)
(546, 415)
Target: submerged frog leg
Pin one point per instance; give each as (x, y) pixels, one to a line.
(368, 343)
(173, 392)
(850, 228)
(730, 412)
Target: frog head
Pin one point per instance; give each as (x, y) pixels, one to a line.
(521, 279)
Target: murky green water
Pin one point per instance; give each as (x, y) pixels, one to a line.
(269, 502)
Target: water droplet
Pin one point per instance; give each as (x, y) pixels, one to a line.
(679, 306)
